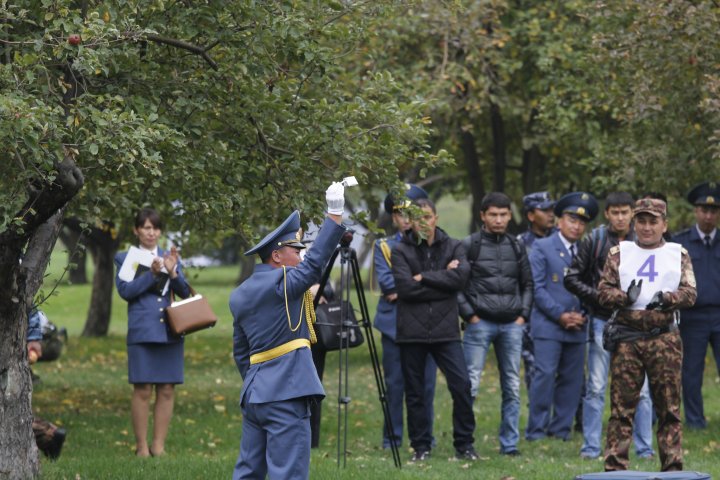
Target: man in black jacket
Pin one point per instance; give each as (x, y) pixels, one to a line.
(582, 280)
(430, 268)
(496, 304)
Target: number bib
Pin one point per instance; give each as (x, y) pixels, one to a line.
(659, 269)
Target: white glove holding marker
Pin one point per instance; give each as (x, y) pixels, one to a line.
(335, 195)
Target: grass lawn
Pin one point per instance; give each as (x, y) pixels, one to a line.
(86, 391)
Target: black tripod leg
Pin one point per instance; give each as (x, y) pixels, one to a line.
(379, 380)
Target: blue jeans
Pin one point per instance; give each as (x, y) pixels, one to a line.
(507, 341)
(594, 401)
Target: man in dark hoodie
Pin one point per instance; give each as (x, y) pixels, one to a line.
(430, 269)
(496, 303)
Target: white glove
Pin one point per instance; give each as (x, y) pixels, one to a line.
(335, 197)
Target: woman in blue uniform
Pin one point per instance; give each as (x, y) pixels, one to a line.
(155, 356)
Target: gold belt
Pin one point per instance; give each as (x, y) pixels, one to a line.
(278, 351)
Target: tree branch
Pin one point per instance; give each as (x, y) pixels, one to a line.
(190, 47)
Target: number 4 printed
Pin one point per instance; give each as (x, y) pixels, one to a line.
(648, 269)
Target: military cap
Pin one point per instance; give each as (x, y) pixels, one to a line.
(581, 204)
(653, 206)
(706, 193)
(288, 234)
(539, 200)
(412, 192)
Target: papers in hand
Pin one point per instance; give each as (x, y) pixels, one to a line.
(349, 182)
(138, 261)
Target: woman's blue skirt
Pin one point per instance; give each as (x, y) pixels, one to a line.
(156, 362)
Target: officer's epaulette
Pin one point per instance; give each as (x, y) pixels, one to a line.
(614, 250)
(683, 251)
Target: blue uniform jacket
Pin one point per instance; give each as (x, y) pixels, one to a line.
(386, 315)
(146, 309)
(705, 263)
(528, 237)
(549, 260)
(260, 322)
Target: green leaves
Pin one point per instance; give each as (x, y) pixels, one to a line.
(149, 122)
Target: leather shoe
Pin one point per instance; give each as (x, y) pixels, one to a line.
(54, 446)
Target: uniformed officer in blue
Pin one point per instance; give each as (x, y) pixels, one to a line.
(386, 319)
(538, 210)
(272, 321)
(557, 326)
(700, 324)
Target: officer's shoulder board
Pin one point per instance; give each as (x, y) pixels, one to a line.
(614, 250)
(683, 251)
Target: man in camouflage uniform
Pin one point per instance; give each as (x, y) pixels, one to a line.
(646, 281)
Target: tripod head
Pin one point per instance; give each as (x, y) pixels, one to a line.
(347, 238)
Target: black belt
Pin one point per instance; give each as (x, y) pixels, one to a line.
(627, 333)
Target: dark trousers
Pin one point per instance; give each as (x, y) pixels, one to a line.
(697, 331)
(395, 389)
(318, 355)
(450, 360)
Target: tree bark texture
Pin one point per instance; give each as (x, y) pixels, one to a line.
(31, 241)
(18, 452)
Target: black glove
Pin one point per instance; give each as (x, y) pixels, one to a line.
(656, 302)
(633, 291)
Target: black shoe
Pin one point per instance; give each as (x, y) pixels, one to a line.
(53, 448)
(511, 453)
(466, 454)
(420, 455)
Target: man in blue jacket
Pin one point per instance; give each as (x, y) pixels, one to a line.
(385, 320)
(273, 331)
(557, 325)
(700, 324)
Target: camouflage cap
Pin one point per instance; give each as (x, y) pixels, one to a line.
(653, 206)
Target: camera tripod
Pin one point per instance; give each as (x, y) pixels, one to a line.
(349, 269)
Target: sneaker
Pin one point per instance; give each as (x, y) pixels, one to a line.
(466, 454)
(420, 455)
(589, 456)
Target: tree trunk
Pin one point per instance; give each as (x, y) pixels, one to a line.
(18, 285)
(97, 323)
(533, 164)
(475, 178)
(72, 239)
(499, 147)
(102, 242)
(533, 169)
(247, 265)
